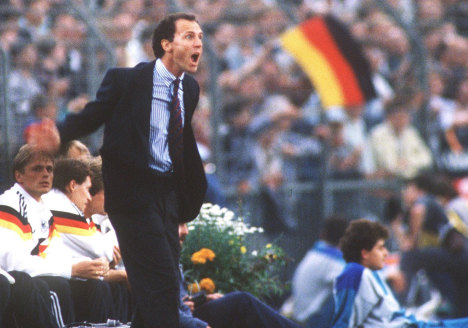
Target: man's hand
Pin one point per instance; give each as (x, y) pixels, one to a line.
(214, 296)
(44, 135)
(117, 257)
(190, 304)
(94, 269)
(116, 276)
(77, 104)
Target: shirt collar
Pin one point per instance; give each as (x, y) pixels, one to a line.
(162, 73)
(26, 195)
(58, 201)
(38, 206)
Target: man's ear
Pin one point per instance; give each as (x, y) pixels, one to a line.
(364, 253)
(166, 45)
(70, 186)
(17, 175)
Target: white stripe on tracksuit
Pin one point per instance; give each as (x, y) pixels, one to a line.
(56, 309)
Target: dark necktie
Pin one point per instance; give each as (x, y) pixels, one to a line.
(175, 135)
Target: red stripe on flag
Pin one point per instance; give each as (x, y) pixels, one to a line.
(316, 32)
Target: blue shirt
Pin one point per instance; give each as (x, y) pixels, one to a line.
(163, 88)
(186, 319)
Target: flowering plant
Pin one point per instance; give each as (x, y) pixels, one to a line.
(217, 255)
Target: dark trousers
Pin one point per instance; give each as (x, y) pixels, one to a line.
(30, 304)
(92, 300)
(149, 241)
(121, 302)
(241, 310)
(447, 271)
(61, 287)
(87, 300)
(4, 296)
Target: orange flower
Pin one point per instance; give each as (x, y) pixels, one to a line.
(197, 258)
(208, 285)
(193, 288)
(202, 256)
(208, 254)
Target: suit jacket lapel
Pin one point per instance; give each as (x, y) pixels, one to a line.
(189, 98)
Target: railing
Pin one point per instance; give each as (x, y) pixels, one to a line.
(311, 203)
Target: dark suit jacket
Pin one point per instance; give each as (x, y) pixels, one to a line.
(123, 104)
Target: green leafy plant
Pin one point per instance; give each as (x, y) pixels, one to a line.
(216, 256)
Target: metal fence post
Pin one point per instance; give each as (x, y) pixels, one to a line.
(419, 55)
(4, 110)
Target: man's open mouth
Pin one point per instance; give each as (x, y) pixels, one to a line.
(195, 58)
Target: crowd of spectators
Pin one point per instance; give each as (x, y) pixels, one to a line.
(267, 103)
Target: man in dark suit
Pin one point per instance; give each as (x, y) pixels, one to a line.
(152, 183)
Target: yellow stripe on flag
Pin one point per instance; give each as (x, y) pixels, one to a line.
(316, 67)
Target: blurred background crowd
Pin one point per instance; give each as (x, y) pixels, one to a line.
(272, 152)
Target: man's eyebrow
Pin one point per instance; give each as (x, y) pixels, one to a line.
(39, 166)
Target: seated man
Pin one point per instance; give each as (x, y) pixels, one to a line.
(105, 231)
(95, 211)
(233, 310)
(68, 201)
(27, 302)
(312, 284)
(447, 264)
(362, 298)
(30, 242)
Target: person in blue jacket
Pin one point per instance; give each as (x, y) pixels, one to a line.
(362, 297)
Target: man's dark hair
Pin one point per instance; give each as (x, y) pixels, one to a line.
(392, 209)
(68, 169)
(423, 181)
(443, 186)
(333, 229)
(97, 183)
(400, 103)
(166, 30)
(361, 234)
(38, 102)
(26, 154)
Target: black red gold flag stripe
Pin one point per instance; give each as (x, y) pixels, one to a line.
(332, 59)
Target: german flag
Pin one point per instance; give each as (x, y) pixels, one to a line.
(332, 59)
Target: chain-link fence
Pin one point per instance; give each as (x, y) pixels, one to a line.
(73, 55)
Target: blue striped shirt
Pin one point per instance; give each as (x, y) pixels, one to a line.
(163, 87)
